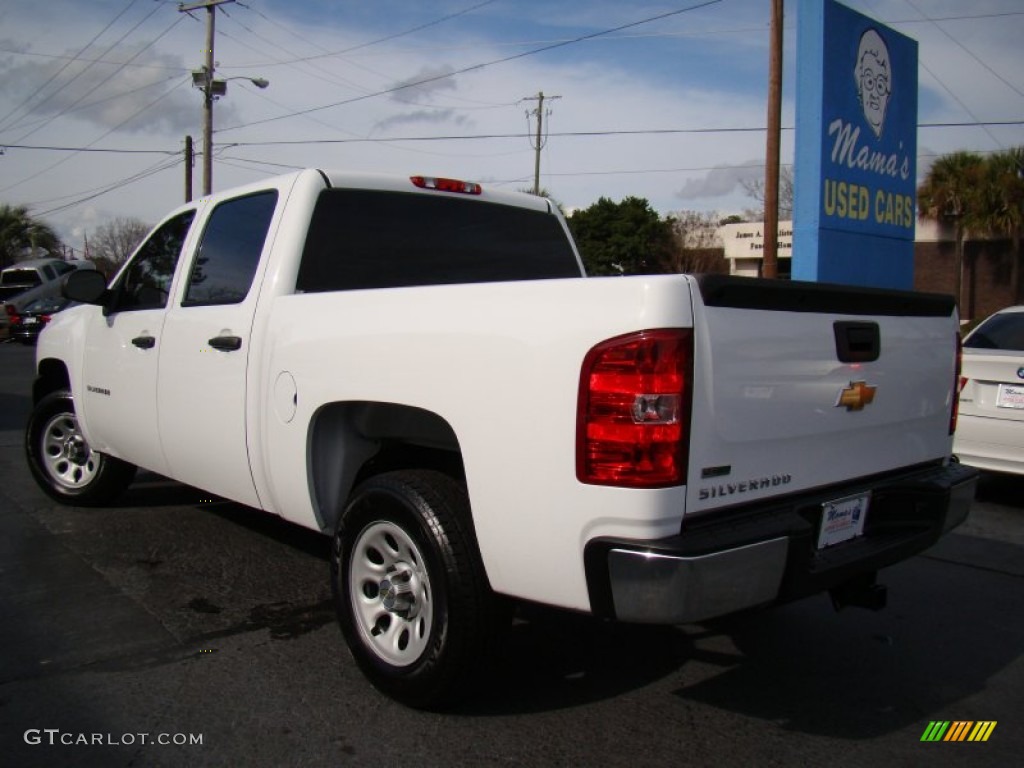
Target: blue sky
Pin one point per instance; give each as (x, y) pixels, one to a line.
(702, 69)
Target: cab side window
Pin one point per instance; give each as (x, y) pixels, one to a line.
(230, 250)
(146, 284)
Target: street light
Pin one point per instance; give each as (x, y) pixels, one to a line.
(213, 89)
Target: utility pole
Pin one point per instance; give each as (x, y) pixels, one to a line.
(770, 265)
(211, 88)
(538, 145)
(189, 160)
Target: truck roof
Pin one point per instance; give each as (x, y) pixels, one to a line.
(487, 192)
(32, 263)
(403, 183)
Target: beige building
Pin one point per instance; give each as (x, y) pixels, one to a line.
(744, 248)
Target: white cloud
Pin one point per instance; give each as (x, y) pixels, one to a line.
(721, 182)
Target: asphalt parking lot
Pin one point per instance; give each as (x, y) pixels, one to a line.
(178, 630)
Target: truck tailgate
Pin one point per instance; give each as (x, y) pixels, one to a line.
(802, 385)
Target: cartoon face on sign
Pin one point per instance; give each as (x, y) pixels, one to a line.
(874, 79)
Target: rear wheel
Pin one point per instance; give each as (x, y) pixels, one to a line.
(63, 463)
(410, 590)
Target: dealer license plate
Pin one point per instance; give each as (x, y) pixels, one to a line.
(1010, 396)
(843, 519)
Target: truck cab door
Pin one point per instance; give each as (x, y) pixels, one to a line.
(122, 346)
(202, 393)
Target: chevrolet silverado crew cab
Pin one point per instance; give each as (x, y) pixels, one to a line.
(418, 368)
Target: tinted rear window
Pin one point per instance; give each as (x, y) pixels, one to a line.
(368, 239)
(999, 332)
(20, 277)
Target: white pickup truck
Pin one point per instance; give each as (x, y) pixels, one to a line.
(418, 368)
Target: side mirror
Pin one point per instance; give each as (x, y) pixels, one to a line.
(86, 286)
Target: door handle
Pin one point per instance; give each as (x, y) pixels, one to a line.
(226, 343)
(144, 342)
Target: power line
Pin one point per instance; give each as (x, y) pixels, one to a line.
(64, 85)
(385, 39)
(119, 184)
(54, 148)
(60, 71)
(651, 35)
(967, 50)
(76, 102)
(572, 134)
(315, 71)
(475, 137)
(476, 67)
(104, 100)
(81, 193)
(65, 57)
(95, 141)
(323, 73)
(328, 54)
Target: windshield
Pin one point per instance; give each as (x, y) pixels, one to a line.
(1005, 331)
(20, 277)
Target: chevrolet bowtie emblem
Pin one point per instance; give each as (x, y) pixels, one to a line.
(856, 396)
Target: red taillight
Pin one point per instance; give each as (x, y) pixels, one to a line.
(11, 311)
(958, 384)
(634, 410)
(446, 185)
(44, 319)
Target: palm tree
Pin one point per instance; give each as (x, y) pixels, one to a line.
(21, 235)
(1004, 206)
(952, 192)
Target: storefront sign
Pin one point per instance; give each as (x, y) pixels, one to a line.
(856, 146)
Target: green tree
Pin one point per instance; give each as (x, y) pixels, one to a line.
(952, 192)
(1003, 206)
(627, 238)
(22, 236)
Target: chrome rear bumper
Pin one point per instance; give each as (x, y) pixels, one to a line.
(766, 552)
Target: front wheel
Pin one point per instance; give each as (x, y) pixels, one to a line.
(63, 463)
(410, 590)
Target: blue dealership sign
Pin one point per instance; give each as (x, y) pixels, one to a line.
(856, 147)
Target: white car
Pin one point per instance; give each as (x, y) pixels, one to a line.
(990, 431)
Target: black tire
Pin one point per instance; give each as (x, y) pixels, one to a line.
(62, 462)
(410, 590)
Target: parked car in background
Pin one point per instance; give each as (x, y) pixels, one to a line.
(26, 275)
(26, 324)
(28, 281)
(990, 433)
(34, 279)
